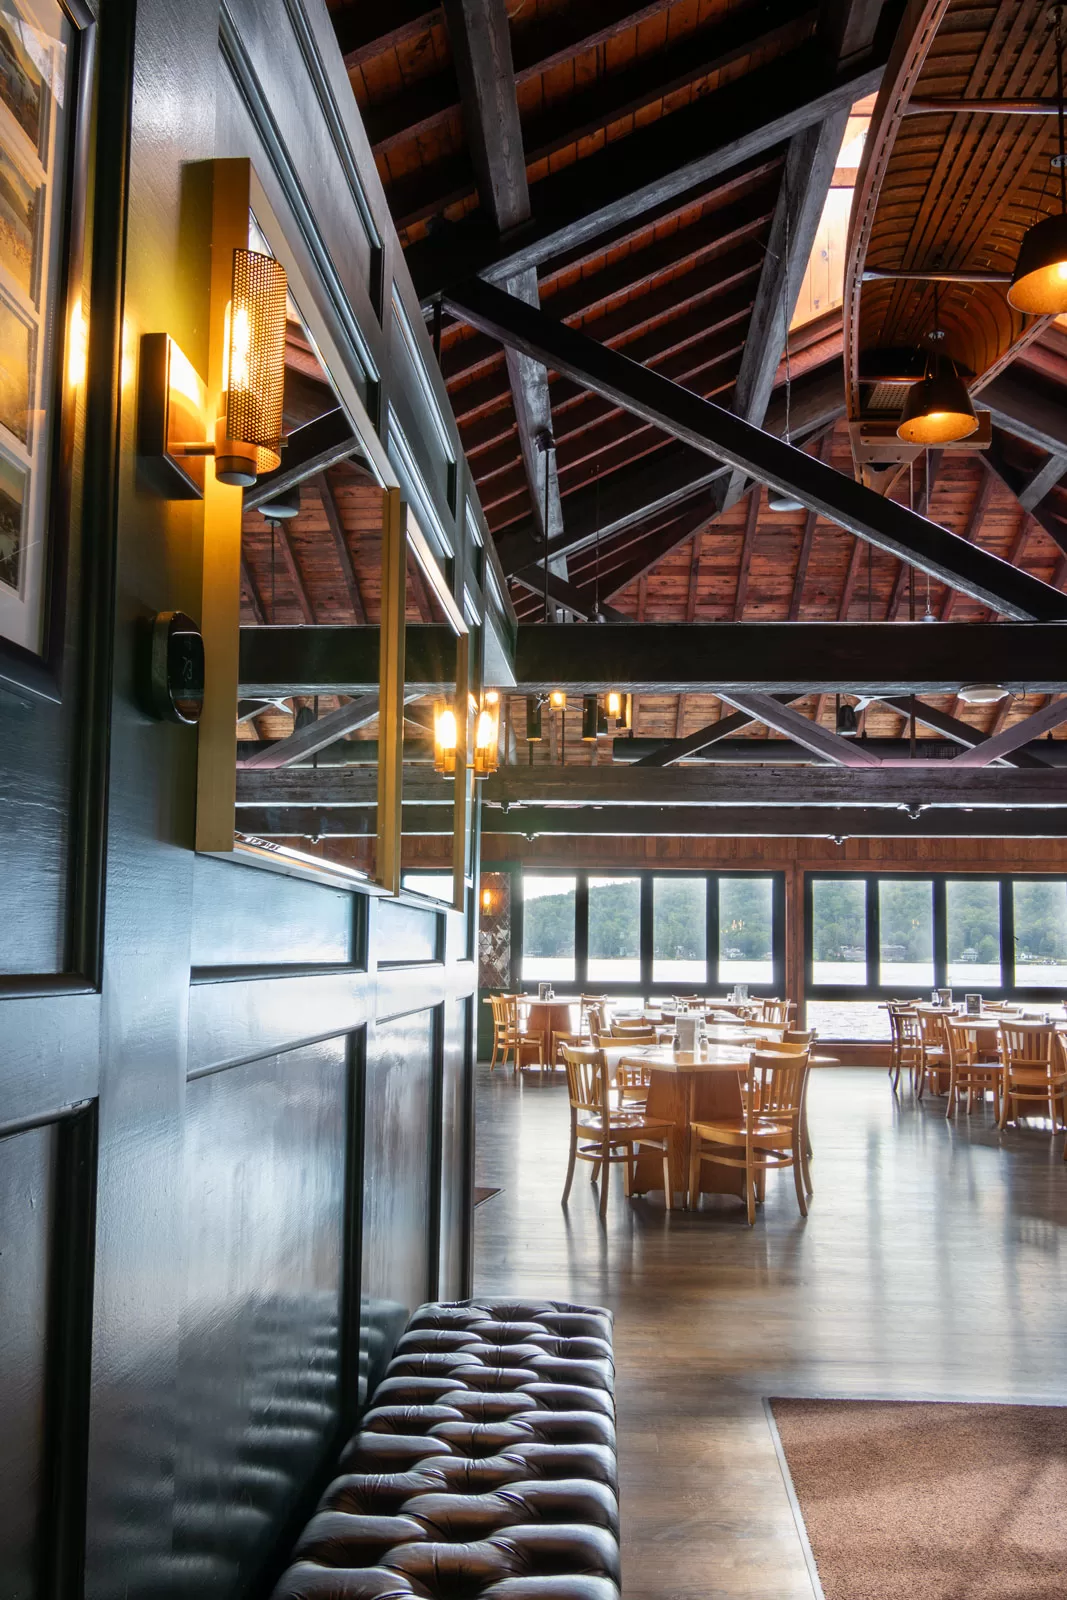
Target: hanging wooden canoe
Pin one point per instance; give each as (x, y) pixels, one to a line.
(947, 195)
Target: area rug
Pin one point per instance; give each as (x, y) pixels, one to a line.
(916, 1501)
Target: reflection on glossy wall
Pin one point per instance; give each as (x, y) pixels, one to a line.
(259, 1358)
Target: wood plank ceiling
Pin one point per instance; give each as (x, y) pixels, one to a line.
(648, 527)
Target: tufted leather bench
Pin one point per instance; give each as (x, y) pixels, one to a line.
(484, 1470)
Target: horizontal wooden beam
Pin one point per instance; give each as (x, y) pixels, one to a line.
(931, 275)
(662, 160)
(744, 751)
(792, 658)
(313, 657)
(696, 421)
(843, 822)
(945, 784)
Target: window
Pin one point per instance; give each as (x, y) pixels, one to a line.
(839, 931)
(906, 934)
(972, 915)
(548, 929)
(680, 930)
(1040, 934)
(615, 929)
(746, 920)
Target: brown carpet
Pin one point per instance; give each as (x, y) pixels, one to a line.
(908, 1501)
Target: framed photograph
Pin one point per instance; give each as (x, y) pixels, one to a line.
(24, 64)
(21, 203)
(42, 140)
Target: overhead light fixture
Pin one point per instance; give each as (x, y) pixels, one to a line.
(558, 700)
(1039, 282)
(590, 717)
(779, 500)
(444, 738)
(487, 735)
(533, 719)
(982, 694)
(248, 431)
(282, 506)
(938, 409)
(847, 725)
(487, 899)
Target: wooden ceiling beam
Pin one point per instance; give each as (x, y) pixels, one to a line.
(1043, 481)
(254, 597)
(481, 47)
(580, 602)
(324, 731)
(952, 727)
(362, 35)
(862, 658)
(971, 532)
(716, 132)
(672, 750)
(1015, 481)
(307, 451)
(594, 104)
(985, 577)
(748, 542)
(1020, 733)
(1029, 407)
(636, 273)
(772, 713)
(732, 822)
(676, 472)
(296, 577)
(940, 784)
(340, 543)
(806, 176)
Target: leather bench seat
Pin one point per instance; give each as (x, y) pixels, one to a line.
(485, 1468)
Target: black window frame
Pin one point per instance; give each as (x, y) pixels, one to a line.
(644, 986)
(1007, 989)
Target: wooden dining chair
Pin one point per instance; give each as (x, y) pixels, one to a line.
(794, 1042)
(933, 1051)
(971, 1070)
(906, 1046)
(1034, 1069)
(604, 1135)
(767, 1133)
(521, 1042)
(632, 1083)
(779, 1012)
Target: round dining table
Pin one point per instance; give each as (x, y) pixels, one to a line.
(693, 1086)
(546, 1017)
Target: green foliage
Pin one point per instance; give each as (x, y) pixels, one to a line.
(548, 925)
(838, 917)
(1040, 921)
(679, 919)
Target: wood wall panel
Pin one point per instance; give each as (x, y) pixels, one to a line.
(27, 1219)
(259, 1367)
(245, 917)
(399, 1214)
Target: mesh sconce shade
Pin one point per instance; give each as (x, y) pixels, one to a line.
(255, 362)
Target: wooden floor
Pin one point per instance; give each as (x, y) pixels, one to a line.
(933, 1264)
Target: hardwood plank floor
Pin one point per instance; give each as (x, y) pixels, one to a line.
(932, 1265)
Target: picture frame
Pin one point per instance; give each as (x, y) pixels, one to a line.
(46, 57)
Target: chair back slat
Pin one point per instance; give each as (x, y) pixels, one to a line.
(586, 1078)
(1027, 1044)
(776, 1084)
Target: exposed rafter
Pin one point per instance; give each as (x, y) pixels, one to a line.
(586, 200)
(308, 450)
(766, 709)
(1020, 733)
(696, 421)
(809, 167)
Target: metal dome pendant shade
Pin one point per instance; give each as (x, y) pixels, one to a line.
(938, 409)
(1039, 282)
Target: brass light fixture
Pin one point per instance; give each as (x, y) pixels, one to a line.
(444, 738)
(1039, 283)
(558, 700)
(248, 431)
(487, 735)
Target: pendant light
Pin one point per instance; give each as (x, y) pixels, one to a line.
(845, 720)
(1039, 283)
(590, 717)
(938, 409)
